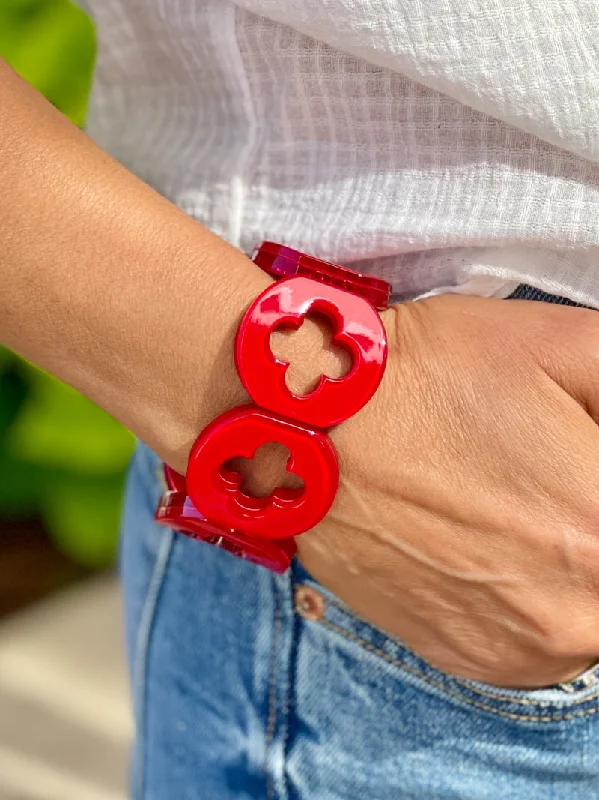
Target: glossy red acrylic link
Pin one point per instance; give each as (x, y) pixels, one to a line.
(177, 511)
(217, 493)
(356, 326)
(284, 262)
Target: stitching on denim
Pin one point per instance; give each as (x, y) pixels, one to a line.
(463, 698)
(525, 701)
(272, 692)
(287, 702)
(142, 649)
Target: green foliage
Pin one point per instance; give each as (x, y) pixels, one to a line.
(59, 428)
(61, 457)
(51, 44)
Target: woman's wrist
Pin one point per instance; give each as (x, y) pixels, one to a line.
(308, 350)
(109, 286)
(192, 377)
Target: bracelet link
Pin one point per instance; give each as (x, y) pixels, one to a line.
(209, 504)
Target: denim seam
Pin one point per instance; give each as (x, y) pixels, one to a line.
(447, 691)
(144, 636)
(524, 701)
(272, 694)
(287, 700)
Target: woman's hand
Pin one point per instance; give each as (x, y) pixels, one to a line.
(467, 519)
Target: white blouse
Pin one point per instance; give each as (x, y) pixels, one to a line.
(442, 144)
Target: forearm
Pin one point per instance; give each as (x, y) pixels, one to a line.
(108, 285)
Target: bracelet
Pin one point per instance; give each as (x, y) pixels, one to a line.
(208, 502)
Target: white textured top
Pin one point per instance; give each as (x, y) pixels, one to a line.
(442, 144)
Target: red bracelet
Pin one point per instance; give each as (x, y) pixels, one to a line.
(208, 503)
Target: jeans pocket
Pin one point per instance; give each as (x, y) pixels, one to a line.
(577, 699)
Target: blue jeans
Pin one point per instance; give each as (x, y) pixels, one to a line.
(251, 685)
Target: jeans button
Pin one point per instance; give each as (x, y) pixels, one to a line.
(309, 603)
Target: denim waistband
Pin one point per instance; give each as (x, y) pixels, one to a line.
(525, 292)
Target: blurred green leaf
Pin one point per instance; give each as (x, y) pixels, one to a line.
(6, 358)
(83, 517)
(20, 487)
(13, 391)
(58, 427)
(51, 43)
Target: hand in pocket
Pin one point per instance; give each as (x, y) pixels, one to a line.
(467, 520)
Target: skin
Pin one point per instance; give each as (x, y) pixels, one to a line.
(467, 520)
